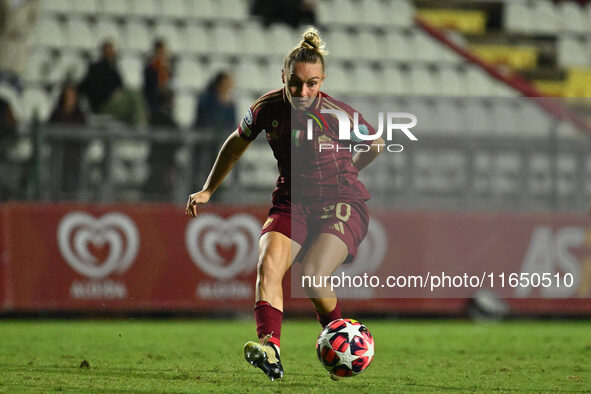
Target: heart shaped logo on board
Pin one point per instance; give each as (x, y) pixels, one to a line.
(99, 247)
(223, 248)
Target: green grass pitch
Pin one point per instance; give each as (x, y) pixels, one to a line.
(206, 355)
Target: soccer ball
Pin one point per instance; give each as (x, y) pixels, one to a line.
(345, 347)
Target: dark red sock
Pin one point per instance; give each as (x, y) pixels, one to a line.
(268, 321)
(325, 318)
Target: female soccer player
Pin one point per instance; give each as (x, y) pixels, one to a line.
(322, 232)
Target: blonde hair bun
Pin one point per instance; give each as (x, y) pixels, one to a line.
(311, 40)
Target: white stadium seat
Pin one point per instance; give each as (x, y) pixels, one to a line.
(49, 33)
(174, 8)
(40, 65)
(226, 40)
(202, 9)
(366, 81)
(115, 7)
(479, 83)
(189, 74)
(518, 18)
(398, 47)
(342, 46)
(36, 100)
(345, 12)
(451, 82)
(422, 80)
(137, 36)
(572, 17)
(85, 7)
(196, 39)
(401, 12)
(80, 34)
(255, 40)
(231, 9)
(55, 6)
(394, 83)
(571, 52)
(107, 28)
(131, 68)
(545, 16)
(368, 45)
(184, 109)
(144, 8)
(374, 13)
(282, 38)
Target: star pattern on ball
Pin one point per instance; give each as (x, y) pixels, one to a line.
(351, 330)
(346, 358)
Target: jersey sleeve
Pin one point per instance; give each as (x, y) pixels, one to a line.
(251, 124)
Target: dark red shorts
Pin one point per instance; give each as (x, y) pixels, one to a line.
(303, 222)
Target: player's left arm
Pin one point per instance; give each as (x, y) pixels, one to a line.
(362, 159)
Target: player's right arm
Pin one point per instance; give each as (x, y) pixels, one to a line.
(229, 154)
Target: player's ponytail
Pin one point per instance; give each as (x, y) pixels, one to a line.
(310, 50)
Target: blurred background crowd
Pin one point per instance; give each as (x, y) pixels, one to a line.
(127, 100)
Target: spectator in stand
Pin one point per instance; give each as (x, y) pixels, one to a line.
(157, 91)
(216, 112)
(160, 97)
(67, 112)
(290, 12)
(103, 87)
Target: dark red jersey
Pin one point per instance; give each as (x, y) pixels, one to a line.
(305, 171)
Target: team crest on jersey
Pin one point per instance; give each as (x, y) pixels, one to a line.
(324, 139)
(248, 117)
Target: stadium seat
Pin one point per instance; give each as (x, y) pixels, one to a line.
(341, 44)
(366, 80)
(535, 122)
(115, 7)
(448, 115)
(422, 81)
(196, 39)
(79, 34)
(345, 12)
(189, 74)
(184, 109)
(374, 13)
(394, 83)
(283, 39)
(572, 17)
(479, 83)
(202, 9)
(131, 67)
(401, 13)
(451, 82)
(35, 100)
(40, 64)
(250, 76)
(545, 16)
(338, 81)
(397, 47)
(231, 9)
(518, 18)
(368, 45)
(173, 38)
(255, 40)
(174, 9)
(571, 52)
(55, 6)
(506, 117)
(324, 12)
(85, 7)
(48, 32)
(137, 37)
(144, 8)
(226, 40)
(425, 47)
(107, 28)
(477, 117)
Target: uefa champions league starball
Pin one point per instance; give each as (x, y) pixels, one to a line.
(345, 348)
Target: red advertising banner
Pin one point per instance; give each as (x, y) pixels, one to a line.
(153, 257)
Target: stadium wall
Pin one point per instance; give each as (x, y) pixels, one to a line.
(151, 257)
